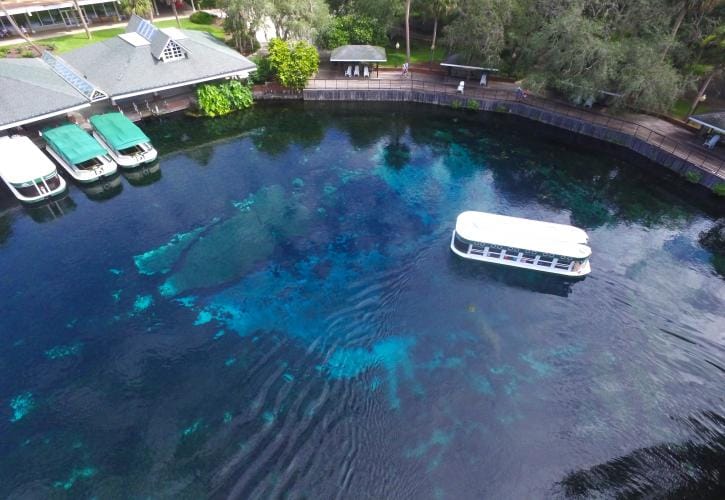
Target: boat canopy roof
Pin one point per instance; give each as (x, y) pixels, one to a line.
(74, 143)
(119, 131)
(22, 161)
(524, 234)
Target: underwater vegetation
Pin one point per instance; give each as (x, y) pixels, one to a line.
(232, 247)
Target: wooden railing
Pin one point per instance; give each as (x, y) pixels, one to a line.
(691, 153)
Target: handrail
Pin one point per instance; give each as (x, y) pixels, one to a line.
(687, 152)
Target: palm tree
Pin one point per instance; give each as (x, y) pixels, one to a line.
(176, 14)
(438, 9)
(712, 60)
(82, 17)
(407, 31)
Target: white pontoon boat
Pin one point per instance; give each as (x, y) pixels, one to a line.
(523, 243)
(27, 172)
(128, 145)
(78, 153)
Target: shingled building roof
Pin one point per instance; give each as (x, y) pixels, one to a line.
(32, 91)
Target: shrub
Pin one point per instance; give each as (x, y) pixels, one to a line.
(473, 105)
(201, 17)
(28, 53)
(456, 104)
(694, 177)
(216, 99)
(264, 71)
(719, 189)
(294, 63)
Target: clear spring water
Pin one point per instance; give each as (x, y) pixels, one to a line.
(275, 311)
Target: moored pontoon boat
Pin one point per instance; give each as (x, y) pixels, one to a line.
(78, 153)
(27, 172)
(522, 243)
(128, 145)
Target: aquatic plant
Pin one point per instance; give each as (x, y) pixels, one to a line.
(693, 176)
(216, 99)
(21, 405)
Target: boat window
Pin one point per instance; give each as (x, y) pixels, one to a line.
(460, 245)
(511, 255)
(53, 181)
(528, 257)
(131, 150)
(28, 191)
(88, 163)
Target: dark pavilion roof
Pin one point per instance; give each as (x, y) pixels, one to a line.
(715, 120)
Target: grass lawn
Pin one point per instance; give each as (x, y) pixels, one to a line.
(65, 43)
(419, 53)
(682, 107)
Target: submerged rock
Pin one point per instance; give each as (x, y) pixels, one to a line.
(714, 238)
(231, 248)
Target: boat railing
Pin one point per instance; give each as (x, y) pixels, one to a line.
(689, 153)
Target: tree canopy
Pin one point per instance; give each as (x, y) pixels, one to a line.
(293, 62)
(648, 52)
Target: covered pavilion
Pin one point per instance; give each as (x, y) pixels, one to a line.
(711, 122)
(361, 54)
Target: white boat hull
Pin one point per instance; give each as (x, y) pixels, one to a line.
(148, 155)
(106, 169)
(582, 271)
(37, 199)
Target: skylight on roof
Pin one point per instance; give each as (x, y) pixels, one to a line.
(68, 74)
(134, 39)
(145, 29)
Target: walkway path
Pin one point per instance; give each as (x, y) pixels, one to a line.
(56, 33)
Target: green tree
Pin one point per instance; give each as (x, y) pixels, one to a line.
(298, 18)
(478, 33)
(407, 30)
(438, 9)
(294, 63)
(385, 12)
(243, 19)
(349, 29)
(141, 8)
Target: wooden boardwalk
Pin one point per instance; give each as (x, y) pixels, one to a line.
(678, 150)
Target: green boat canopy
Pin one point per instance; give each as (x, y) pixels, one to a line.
(118, 131)
(73, 143)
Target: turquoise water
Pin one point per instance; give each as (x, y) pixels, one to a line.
(273, 310)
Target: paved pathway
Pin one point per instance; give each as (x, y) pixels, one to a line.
(36, 37)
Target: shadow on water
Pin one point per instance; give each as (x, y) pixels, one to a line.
(52, 209)
(143, 175)
(694, 469)
(102, 190)
(526, 279)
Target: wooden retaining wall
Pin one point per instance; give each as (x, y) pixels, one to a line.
(631, 141)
